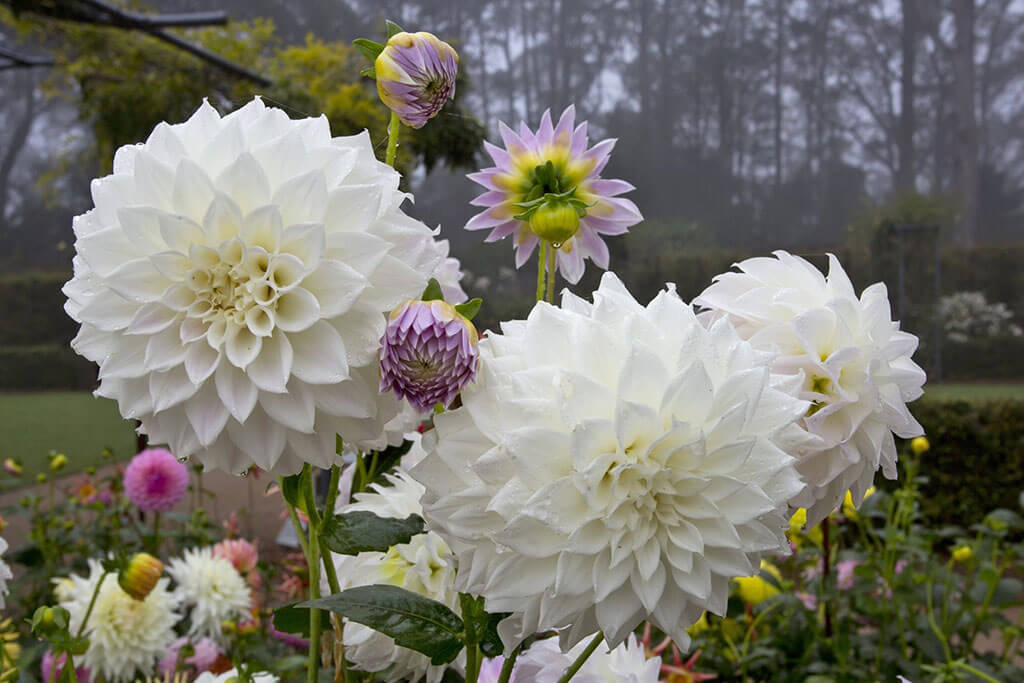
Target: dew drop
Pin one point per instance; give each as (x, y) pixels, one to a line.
(183, 459)
(243, 473)
(556, 245)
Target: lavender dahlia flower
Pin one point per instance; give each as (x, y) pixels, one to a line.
(155, 481)
(519, 175)
(416, 76)
(428, 353)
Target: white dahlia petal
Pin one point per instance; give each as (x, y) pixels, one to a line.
(247, 260)
(612, 463)
(544, 662)
(842, 353)
(424, 565)
(127, 637)
(212, 588)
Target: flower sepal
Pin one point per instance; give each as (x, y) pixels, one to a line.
(554, 217)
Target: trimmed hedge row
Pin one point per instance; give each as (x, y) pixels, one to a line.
(976, 461)
(44, 366)
(34, 310)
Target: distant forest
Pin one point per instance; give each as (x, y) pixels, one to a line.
(751, 124)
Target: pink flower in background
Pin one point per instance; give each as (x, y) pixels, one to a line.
(205, 654)
(809, 600)
(46, 668)
(155, 481)
(288, 638)
(239, 552)
(515, 178)
(844, 573)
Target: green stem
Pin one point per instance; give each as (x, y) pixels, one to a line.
(826, 561)
(313, 562)
(332, 490)
(88, 611)
(296, 524)
(472, 663)
(510, 663)
(970, 669)
(552, 273)
(935, 627)
(156, 532)
(541, 267)
(575, 666)
(392, 140)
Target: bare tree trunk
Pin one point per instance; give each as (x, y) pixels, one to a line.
(965, 127)
(905, 173)
(779, 42)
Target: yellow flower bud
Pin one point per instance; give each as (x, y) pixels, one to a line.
(58, 462)
(140, 576)
(753, 589)
(963, 554)
(13, 467)
(919, 445)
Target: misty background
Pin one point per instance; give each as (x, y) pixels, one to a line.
(888, 131)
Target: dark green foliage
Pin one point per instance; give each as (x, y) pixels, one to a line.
(362, 531)
(976, 460)
(34, 310)
(46, 366)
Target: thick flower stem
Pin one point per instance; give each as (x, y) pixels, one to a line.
(575, 666)
(472, 663)
(314, 614)
(552, 273)
(509, 665)
(332, 573)
(392, 140)
(541, 267)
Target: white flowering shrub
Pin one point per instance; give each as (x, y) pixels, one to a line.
(969, 315)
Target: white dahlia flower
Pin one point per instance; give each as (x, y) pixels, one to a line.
(449, 275)
(126, 636)
(214, 590)
(842, 353)
(544, 662)
(5, 574)
(424, 565)
(231, 676)
(231, 283)
(612, 463)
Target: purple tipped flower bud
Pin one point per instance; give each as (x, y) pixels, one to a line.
(429, 352)
(416, 76)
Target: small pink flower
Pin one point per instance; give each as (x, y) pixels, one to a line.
(205, 654)
(844, 573)
(155, 481)
(47, 665)
(809, 600)
(239, 552)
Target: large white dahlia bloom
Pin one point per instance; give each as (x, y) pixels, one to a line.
(212, 588)
(424, 565)
(628, 663)
(841, 352)
(612, 463)
(126, 636)
(231, 282)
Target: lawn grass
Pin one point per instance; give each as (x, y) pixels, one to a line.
(74, 423)
(973, 392)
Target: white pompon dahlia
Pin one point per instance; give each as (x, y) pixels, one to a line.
(5, 574)
(231, 676)
(424, 565)
(628, 663)
(127, 637)
(612, 463)
(212, 588)
(842, 353)
(232, 281)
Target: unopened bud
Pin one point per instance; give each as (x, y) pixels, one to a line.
(58, 462)
(13, 467)
(140, 576)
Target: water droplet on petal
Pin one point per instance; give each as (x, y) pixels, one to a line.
(243, 473)
(556, 245)
(183, 459)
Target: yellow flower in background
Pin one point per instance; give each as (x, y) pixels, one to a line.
(919, 445)
(9, 644)
(753, 589)
(700, 625)
(849, 509)
(963, 554)
(797, 532)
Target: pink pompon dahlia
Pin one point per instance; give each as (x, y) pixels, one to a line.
(428, 353)
(50, 660)
(521, 174)
(242, 554)
(155, 481)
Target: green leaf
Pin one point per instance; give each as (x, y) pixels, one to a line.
(361, 531)
(470, 308)
(389, 457)
(291, 618)
(368, 48)
(414, 621)
(369, 72)
(393, 28)
(490, 642)
(290, 490)
(339, 444)
(433, 291)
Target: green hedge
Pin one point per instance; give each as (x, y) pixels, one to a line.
(995, 358)
(46, 366)
(34, 310)
(976, 461)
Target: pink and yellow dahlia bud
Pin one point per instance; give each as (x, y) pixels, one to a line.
(416, 76)
(428, 353)
(13, 467)
(140, 576)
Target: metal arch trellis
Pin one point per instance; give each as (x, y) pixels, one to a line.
(102, 13)
(901, 230)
